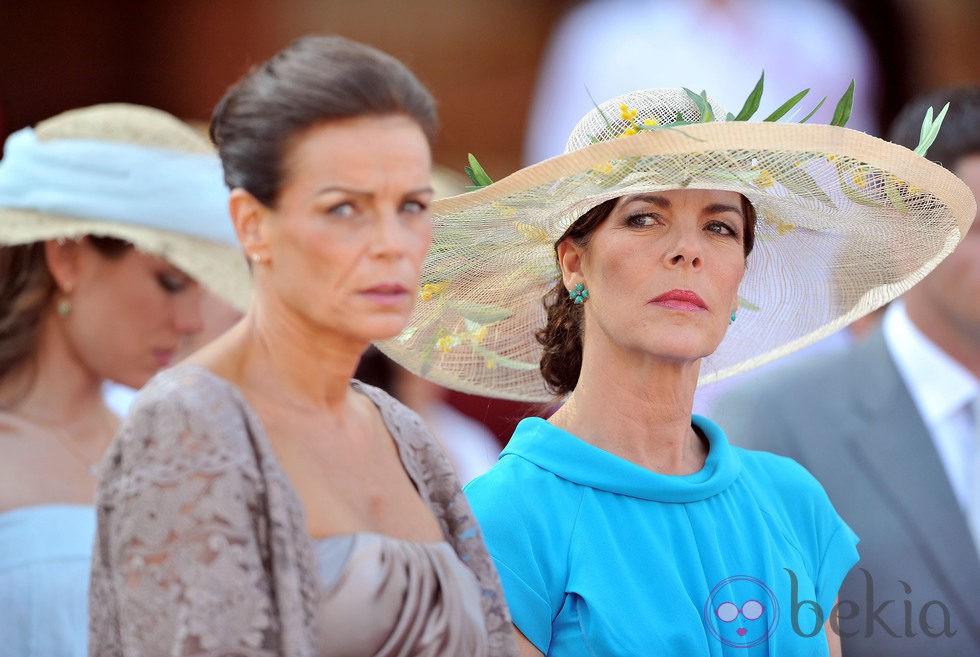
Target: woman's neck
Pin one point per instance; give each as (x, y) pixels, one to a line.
(55, 388)
(638, 408)
(286, 360)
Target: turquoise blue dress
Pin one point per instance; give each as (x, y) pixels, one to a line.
(599, 556)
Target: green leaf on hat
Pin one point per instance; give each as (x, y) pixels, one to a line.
(814, 110)
(894, 194)
(930, 130)
(748, 305)
(801, 183)
(751, 105)
(503, 361)
(476, 174)
(787, 106)
(926, 124)
(609, 125)
(855, 195)
(843, 110)
(481, 313)
(427, 351)
(701, 102)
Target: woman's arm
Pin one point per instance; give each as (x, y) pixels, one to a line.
(178, 566)
(833, 639)
(528, 649)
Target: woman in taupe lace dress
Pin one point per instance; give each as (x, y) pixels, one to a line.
(257, 501)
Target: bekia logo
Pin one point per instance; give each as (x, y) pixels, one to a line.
(741, 612)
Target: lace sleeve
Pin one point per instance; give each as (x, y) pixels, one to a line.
(179, 567)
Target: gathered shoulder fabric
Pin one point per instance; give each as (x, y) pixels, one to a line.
(201, 547)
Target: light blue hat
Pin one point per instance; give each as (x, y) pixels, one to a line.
(148, 179)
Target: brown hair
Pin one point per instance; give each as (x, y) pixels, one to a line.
(315, 79)
(561, 338)
(27, 290)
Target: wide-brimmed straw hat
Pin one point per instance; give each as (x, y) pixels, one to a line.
(846, 222)
(130, 172)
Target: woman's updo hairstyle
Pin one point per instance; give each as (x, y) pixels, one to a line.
(315, 79)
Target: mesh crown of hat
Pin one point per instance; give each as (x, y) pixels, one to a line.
(625, 115)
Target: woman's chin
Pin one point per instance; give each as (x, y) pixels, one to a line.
(379, 329)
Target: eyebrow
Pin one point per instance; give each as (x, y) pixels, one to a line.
(361, 192)
(659, 201)
(663, 202)
(718, 208)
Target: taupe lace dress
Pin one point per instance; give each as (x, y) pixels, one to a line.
(202, 548)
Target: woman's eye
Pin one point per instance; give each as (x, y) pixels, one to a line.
(414, 207)
(721, 228)
(342, 210)
(642, 220)
(173, 282)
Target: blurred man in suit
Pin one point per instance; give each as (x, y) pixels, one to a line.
(890, 426)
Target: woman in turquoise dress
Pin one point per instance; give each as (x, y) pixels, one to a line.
(113, 220)
(673, 244)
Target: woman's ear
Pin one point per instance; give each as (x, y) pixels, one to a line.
(249, 216)
(570, 263)
(63, 259)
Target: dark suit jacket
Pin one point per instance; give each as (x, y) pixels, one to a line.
(849, 419)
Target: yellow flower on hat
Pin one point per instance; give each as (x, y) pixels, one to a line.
(431, 290)
(627, 132)
(765, 179)
(478, 335)
(627, 113)
(781, 225)
(860, 179)
(446, 343)
(505, 210)
(533, 233)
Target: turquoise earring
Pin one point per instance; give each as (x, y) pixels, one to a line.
(731, 320)
(579, 293)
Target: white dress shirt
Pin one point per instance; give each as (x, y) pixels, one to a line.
(942, 390)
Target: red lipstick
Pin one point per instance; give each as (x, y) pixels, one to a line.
(680, 300)
(387, 294)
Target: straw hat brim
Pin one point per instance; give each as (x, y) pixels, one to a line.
(218, 266)
(846, 222)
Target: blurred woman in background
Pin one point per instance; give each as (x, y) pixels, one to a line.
(110, 217)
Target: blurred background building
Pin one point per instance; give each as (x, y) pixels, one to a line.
(481, 58)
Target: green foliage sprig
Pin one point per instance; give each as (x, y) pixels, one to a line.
(930, 130)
